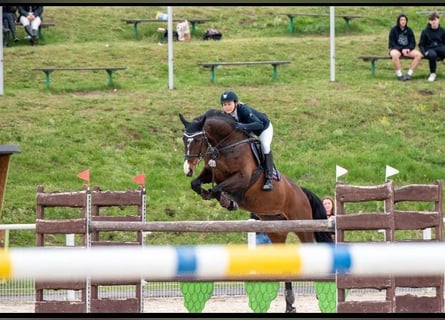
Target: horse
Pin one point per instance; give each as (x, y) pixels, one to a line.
(236, 175)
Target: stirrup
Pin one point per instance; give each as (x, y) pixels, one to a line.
(268, 186)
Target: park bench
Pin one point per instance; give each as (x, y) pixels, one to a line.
(373, 60)
(135, 22)
(214, 65)
(43, 25)
(429, 12)
(346, 17)
(49, 70)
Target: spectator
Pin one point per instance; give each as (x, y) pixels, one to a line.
(402, 43)
(31, 18)
(260, 237)
(9, 18)
(432, 43)
(328, 204)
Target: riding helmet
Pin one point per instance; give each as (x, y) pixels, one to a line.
(228, 96)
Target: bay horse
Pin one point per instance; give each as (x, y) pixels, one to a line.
(237, 177)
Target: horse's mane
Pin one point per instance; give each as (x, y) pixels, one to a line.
(197, 123)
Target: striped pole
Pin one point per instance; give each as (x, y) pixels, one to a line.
(217, 262)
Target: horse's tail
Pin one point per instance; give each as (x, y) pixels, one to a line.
(318, 212)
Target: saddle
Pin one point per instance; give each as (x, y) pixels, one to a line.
(255, 146)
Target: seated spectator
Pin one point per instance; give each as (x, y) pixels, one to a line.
(402, 43)
(432, 43)
(31, 18)
(9, 18)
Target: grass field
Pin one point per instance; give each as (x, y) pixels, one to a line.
(359, 121)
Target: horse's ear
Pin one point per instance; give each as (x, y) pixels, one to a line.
(184, 122)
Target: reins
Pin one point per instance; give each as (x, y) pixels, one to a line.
(213, 151)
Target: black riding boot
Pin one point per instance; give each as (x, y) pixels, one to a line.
(268, 186)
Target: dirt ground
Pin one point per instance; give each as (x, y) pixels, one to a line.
(231, 304)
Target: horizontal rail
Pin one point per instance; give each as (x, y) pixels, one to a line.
(29, 226)
(217, 262)
(217, 226)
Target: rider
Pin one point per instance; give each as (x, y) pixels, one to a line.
(252, 120)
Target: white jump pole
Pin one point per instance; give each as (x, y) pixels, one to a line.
(217, 262)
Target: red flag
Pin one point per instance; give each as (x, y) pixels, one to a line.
(140, 179)
(84, 175)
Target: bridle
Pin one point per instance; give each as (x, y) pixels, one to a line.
(212, 151)
(190, 137)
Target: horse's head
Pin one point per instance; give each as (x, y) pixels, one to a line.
(195, 144)
(202, 134)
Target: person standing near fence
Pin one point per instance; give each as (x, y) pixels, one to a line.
(402, 43)
(31, 18)
(328, 204)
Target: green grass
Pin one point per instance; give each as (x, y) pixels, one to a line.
(360, 122)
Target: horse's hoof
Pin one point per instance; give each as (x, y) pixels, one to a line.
(206, 194)
(233, 206)
(291, 310)
(224, 201)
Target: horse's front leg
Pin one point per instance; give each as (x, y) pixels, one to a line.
(231, 186)
(196, 184)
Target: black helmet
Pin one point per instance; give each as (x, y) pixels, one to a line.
(228, 96)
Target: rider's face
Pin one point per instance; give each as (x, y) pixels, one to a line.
(228, 107)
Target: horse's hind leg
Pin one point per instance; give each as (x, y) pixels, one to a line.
(290, 298)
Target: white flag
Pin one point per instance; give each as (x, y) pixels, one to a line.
(339, 171)
(390, 171)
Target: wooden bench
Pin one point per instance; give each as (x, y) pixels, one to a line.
(373, 60)
(135, 22)
(346, 18)
(49, 70)
(429, 12)
(43, 25)
(213, 65)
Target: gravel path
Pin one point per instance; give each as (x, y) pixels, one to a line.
(238, 304)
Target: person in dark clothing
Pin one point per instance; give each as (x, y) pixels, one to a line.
(31, 18)
(252, 121)
(432, 43)
(9, 18)
(402, 42)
